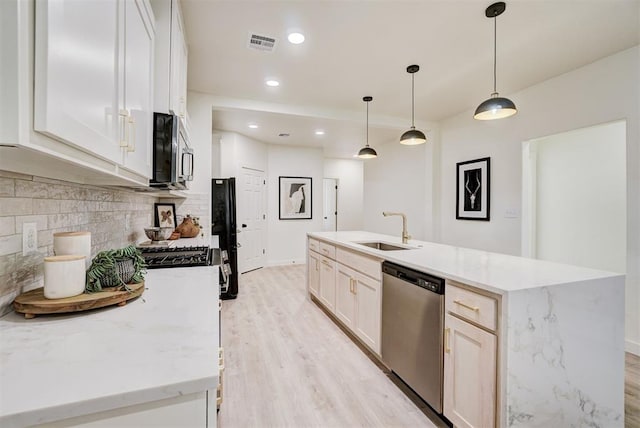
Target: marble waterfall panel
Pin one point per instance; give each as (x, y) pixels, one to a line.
(565, 355)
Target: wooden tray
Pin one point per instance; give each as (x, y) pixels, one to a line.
(34, 303)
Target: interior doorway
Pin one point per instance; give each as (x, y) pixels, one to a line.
(251, 219)
(330, 205)
(574, 207)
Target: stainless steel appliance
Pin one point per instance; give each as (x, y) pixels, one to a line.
(412, 329)
(172, 154)
(223, 224)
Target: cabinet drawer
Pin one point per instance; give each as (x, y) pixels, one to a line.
(481, 309)
(327, 250)
(361, 263)
(314, 245)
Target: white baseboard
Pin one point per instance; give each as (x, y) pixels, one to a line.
(632, 347)
(285, 262)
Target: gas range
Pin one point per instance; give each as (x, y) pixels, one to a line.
(164, 257)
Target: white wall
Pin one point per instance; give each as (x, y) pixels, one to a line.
(399, 179)
(350, 176)
(601, 92)
(200, 135)
(580, 201)
(238, 151)
(286, 239)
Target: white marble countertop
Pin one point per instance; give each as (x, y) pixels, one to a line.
(161, 345)
(499, 273)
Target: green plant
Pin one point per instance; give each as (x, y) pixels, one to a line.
(104, 271)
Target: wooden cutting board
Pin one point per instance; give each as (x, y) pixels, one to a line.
(34, 303)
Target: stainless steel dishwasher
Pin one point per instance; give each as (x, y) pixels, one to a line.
(412, 329)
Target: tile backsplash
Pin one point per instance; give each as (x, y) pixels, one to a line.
(114, 217)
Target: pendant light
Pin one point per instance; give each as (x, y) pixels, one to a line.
(495, 107)
(413, 136)
(367, 152)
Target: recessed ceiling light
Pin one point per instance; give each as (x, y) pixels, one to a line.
(272, 83)
(296, 38)
(319, 132)
(253, 126)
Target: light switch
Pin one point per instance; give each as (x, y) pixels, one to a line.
(511, 213)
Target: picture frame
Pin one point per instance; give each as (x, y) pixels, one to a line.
(165, 215)
(473, 189)
(294, 198)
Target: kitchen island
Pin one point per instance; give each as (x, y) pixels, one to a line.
(155, 357)
(558, 355)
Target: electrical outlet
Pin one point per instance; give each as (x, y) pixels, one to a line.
(29, 238)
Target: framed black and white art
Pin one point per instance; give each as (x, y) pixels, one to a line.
(473, 189)
(295, 198)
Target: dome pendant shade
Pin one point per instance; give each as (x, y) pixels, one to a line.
(367, 152)
(495, 108)
(413, 137)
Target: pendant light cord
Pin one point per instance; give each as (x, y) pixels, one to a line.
(495, 42)
(412, 101)
(367, 123)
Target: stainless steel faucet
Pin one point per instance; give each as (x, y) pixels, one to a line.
(405, 234)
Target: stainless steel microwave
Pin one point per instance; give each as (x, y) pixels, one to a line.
(172, 153)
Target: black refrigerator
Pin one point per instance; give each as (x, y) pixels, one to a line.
(223, 224)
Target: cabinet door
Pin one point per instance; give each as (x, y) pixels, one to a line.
(178, 80)
(369, 310)
(345, 296)
(313, 272)
(138, 98)
(469, 374)
(328, 283)
(77, 75)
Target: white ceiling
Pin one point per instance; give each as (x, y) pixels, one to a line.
(358, 48)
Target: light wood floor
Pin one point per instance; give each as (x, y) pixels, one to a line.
(289, 365)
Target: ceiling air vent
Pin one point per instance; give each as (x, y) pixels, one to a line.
(261, 43)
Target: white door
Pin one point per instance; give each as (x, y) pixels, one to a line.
(251, 219)
(330, 205)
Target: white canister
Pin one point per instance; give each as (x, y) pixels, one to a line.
(64, 276)
(69, 243)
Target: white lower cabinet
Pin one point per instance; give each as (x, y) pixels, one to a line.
(345, 296)
(313, 272)
(354, 297)
(188, 411)
(368, 311)
(470, 364)
(328, 283)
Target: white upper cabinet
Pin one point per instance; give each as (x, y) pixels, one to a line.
(93, 77)
(77, 74)
(170, 59)
(136, 108)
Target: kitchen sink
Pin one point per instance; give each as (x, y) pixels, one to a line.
(384, 246)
